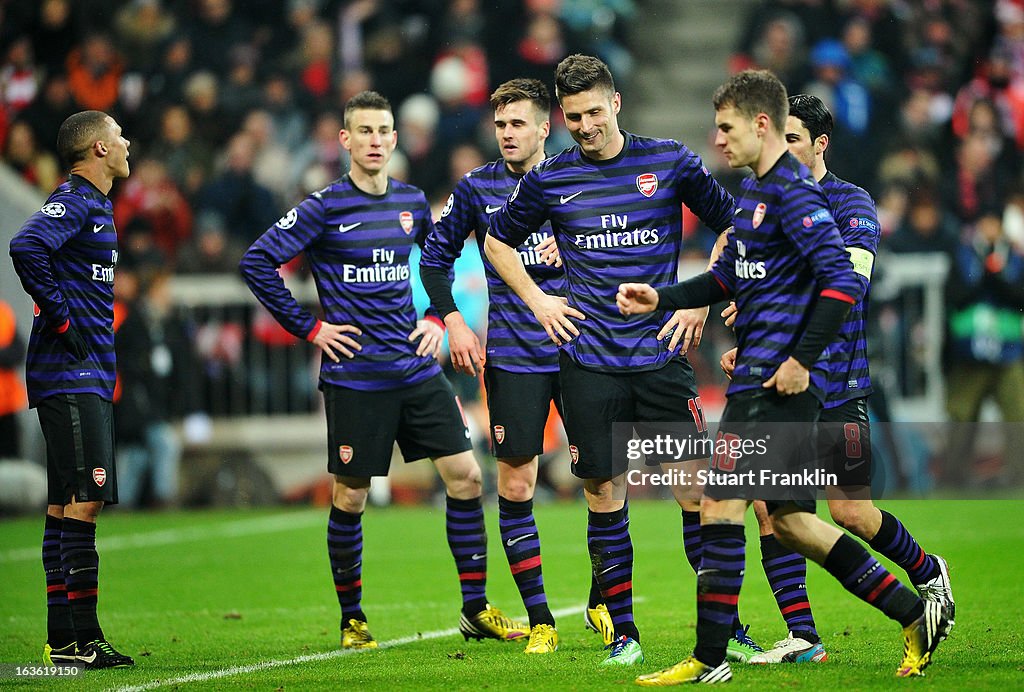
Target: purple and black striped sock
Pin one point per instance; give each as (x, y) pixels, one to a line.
(691, 539)
(787, 577)
(895, 542)
(467, 539)
(60, 630)
(864, 577)
(81, 565)
(718, 589)
(611, 558)
(522, 548)
(345, 551)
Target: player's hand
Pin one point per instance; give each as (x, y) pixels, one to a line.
(728, 362)
(553, 313)
(636, 299)
(791, 378)
(688, 326)
(466, 352)
(730, 313)
(73, 343)
(430, 336)
(547, 251)
(334, 338)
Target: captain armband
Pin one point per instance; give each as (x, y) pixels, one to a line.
(863, 261)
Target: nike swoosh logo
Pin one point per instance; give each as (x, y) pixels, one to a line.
(479, 556)
(81, 569)
(346, 228)
(490, 210)
(98, 227)
(608, 569)
(563, 199)
(88, 659)
(858, 464)
(512, 541)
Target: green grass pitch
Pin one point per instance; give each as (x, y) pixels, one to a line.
(243, 600)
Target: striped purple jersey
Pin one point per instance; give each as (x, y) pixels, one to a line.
(65, 256)
(357, 246)
(614, 221)
(854, 212)
(784, 251)
(515, 340)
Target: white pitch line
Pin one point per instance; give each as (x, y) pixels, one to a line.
(323, 656)
(148, 539)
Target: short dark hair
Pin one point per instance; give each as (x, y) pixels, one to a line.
(522, 89)
(755, 91)
(78, 133)
(812, 112)
(366, 100)
(579, 73)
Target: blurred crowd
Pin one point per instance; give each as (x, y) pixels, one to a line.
(233, 108)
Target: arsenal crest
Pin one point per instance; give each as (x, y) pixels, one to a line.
(759, 212)
(574, 453)
(345, 454)
(499, 433)
(99, 476)
(647, 183)
(405, 218)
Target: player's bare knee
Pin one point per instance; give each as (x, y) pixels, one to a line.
(461, 475)
(515, 489)
(850, 516)
(349, 494)
(83, 511)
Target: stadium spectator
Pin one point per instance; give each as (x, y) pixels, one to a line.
(37, 167)
(49, 110)
(94, 73)
(202, 97)
(55, 32)
(188, 160)
(155, 365)
(974, 184)
(142, 27)
(13, 398)
(216, 28)
(245, 205)
(19, 76)
(210, 250)
(926, 228)
(153, 196)
(985, 293)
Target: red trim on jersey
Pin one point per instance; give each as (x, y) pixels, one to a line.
(838, 295)
(436, 320)
(523, 565)
(64, 327)
(724, 288)
(314, 331)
